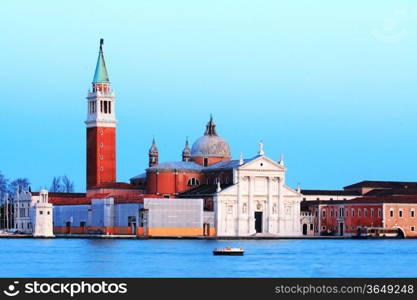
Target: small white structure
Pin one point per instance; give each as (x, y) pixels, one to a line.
(41, 215)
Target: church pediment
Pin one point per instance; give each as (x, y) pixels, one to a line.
(262, 163)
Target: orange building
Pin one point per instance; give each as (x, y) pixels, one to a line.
(348, 217)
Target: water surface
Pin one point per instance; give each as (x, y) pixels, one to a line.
(193, 258)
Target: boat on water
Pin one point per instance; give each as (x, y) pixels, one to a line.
(228, 251)
(378, 232)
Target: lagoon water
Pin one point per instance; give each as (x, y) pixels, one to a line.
(193, 258)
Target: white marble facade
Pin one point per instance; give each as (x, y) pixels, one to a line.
(259, 202)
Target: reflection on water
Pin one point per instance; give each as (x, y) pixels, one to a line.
(193, 258)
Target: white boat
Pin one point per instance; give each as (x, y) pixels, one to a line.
(228, 251)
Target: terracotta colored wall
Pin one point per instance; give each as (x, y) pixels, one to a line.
(211, 160)
(101, 143)
(362, 220)
(405, 222)
(328, 221)
(108, 230)
(171, 183)
(139, 231)
(332, 222)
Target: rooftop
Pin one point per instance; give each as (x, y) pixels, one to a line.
(382, 184)
(203, 190)
(330, 192)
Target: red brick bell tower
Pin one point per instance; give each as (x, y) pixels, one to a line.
(101, 127)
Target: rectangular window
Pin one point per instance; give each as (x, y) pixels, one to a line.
(365, 212)
(379, 212)
(391, 213)
(41, 212)
(412, 228)
(372, 212)
(323, 213)
(412, 213)
(205, 161)
(101, 106)
(359, 212)
(331, 213)
(353, 212)
(347, 212)
(109, 107)
(400, 213)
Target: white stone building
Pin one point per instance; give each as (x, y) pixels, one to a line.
(41, 215)
(22, 203)
(33, 214)
(259, 202)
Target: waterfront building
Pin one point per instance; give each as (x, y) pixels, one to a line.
(348, 217)
(22, 202)
(209, 193)
(42, 215)
(33, 214)
(206, 192)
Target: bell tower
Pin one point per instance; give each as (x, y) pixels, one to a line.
(153, 154)
(101, 127)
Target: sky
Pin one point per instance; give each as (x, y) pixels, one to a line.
(330, 84)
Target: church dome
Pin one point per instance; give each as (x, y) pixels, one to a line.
(210, 145)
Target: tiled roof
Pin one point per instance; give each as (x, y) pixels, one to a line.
(114, 185)
(382, 184)
(140, 176)
(190, 165)
(227, 164)
(68, 195)
(330, 192)
(61, 200)
(176, 165)
(367, 200)
(203, 190)
(388, 192)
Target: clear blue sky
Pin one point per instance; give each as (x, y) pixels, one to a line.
(332, 86)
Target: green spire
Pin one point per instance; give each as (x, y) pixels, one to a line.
(101, 75)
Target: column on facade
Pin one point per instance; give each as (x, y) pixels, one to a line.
(238, 207)
(269, 205)
(218, 211)
(281, 212)
(250, 204)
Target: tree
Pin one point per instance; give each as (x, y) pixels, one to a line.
(21, 184)
(56, 185)
(3, 185)
(68, 185)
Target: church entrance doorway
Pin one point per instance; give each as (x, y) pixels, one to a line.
(258, 221)
(304, 229)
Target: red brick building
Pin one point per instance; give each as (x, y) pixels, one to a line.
(346, 217)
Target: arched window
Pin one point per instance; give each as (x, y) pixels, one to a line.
(193, 181)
